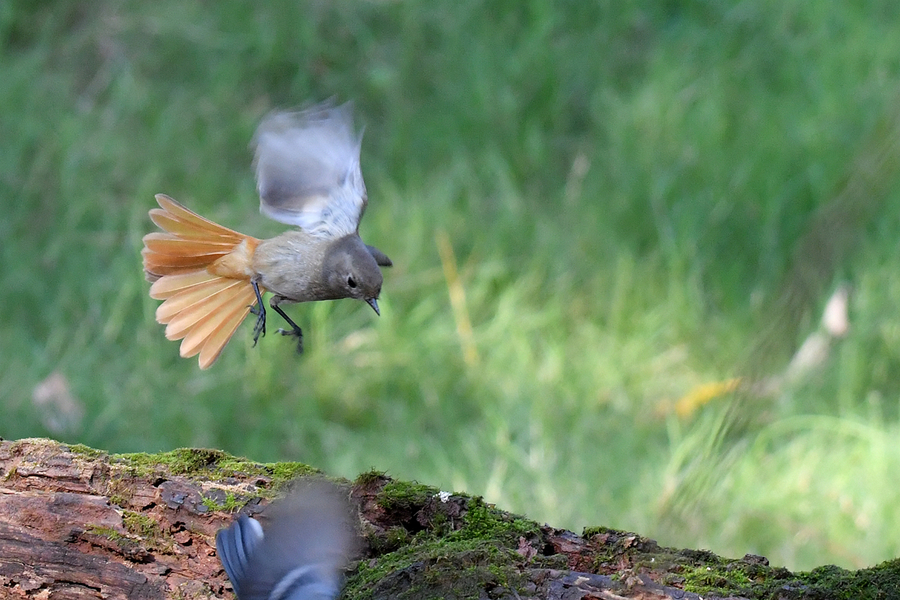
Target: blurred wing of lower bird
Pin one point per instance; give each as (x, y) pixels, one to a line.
(307, 170)
(235, 545)
(306, 543)
(202, 272)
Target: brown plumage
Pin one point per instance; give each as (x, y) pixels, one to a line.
(211, 277)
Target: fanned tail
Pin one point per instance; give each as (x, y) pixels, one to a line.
(190, 242)
(202, 272)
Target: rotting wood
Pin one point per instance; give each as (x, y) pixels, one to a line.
(78, 523)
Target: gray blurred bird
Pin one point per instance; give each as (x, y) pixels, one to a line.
(298, 555)
(211, 277)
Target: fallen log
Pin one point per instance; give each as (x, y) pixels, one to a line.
(80, 523)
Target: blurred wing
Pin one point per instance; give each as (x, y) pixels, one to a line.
(307, 169)
(308, 539)
(235, 545)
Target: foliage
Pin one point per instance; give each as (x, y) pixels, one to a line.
(629, 194)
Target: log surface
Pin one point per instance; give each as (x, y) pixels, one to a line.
(79, 523)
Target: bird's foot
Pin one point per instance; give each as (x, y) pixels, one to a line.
(296, 331)
(259, 329)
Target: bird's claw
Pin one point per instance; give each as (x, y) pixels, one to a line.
(298, 333)
(259, 329)
(294, 330)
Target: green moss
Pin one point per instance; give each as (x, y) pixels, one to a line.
(589, 532)
(142, 464)
(193, 460)
(750, 580)
(86, 451)
(141, 525)
(485, 521)
(127, 544)
(147, 531)
(107, 532)
(403, 495)
(206, 465)
(387, 541)
(202, 463)
(118, 490)
(461, 544)
(369, 477)
(286, 471)
(182, 461)
(212, 505)
(428, 567)
(231, 503)
(706, 573)
(709, 579)
(879, 582)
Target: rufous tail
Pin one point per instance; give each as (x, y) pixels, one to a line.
(202, 272)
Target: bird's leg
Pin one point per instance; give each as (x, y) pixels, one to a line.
(295, 329)
(260, 311)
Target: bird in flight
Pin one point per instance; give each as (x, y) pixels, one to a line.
(211, 277)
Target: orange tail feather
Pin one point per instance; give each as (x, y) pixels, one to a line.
(201, 270)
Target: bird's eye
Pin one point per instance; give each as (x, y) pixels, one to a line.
(351, 282)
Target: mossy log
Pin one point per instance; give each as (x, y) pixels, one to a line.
(79, 523)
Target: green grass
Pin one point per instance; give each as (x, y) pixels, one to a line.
(640, 198)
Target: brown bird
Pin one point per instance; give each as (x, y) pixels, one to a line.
(211, 277)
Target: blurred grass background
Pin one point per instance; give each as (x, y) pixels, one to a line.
(626, 200)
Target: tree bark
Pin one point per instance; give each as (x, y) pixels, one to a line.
(79, 523)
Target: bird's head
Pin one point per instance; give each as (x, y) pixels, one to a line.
(351, 271)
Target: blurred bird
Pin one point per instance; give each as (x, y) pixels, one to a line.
(211, 277)
(298, 555)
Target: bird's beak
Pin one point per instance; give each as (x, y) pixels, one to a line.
(374, 304)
